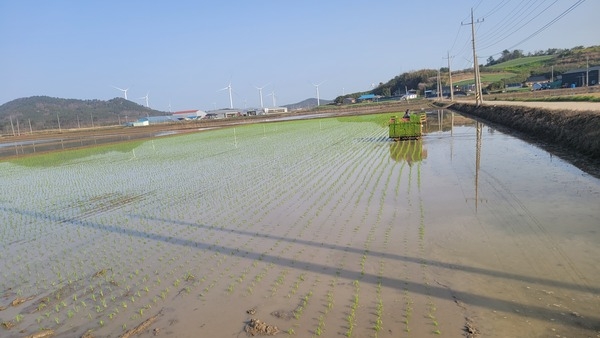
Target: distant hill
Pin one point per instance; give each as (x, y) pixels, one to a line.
(307, 104)
(511, 67)
(44, 112)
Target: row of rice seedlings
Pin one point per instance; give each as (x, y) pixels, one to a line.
(299, 310)
(378, 326)
(329, 303)
(431, 308)
(351, 319)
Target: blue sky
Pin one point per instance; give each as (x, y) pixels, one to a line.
(181, 53)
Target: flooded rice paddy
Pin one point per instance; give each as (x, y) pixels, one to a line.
(314, 228)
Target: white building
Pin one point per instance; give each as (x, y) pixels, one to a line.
(189, 114)
(275, 110)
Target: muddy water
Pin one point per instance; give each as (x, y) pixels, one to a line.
(318, 227)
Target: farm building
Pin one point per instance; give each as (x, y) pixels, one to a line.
(189, 114)
(275, 110)
(536, 79)
(222, 113)
(578, 77)
(146, 121)
(367, 98)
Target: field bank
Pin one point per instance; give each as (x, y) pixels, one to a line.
(318, 227)
(572, 129)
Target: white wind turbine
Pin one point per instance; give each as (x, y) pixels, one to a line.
(317, 86)
(145, 98)
(260, 94)
(273, 96)
(230, 97)
(123, 90)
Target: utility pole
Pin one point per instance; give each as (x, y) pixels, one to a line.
(478, 94)
(587, 71)
(12, 126)
(450, 76)
(439, 87)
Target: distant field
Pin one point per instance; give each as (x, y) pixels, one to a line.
(521, 62)
(485, 77)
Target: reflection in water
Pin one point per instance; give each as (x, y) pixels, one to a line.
(409, 151)
(478, 133)
(444, 120)
(18, 148)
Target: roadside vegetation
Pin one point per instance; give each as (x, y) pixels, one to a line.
(575, 98)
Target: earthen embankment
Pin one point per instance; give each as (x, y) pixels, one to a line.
(576, 130)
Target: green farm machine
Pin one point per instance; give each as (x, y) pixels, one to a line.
(409, 127)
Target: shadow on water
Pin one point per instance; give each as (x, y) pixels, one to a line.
(538, 312)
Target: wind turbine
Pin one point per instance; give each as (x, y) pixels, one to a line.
(230, 97)
(123, 90)
(317, 86)
(273, 95)
(146, 98)
(260, 94)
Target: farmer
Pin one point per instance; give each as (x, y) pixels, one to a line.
(406, 114)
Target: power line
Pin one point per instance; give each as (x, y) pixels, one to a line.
(520, 27)
(495, 9)
(456, 37)
(507, 22)
(560, 16)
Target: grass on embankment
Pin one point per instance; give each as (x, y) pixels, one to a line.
(577, 98)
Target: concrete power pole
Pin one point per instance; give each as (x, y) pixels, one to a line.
(439, 87)
(478, 93)
(450, 76)
(587, 71)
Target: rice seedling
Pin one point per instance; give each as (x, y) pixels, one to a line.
(169, 239)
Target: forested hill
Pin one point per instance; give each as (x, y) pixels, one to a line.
(44, 112)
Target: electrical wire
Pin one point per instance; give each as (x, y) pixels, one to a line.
(513, 22)
(505, 23)
(560, 16)
(518, 28)
(497, 8)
